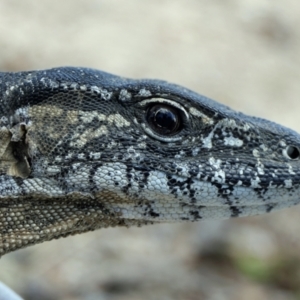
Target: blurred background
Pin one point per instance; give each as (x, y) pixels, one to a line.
(242, 53)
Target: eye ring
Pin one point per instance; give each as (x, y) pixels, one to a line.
(291, 152)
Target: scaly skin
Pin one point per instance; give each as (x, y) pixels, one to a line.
(78, 152)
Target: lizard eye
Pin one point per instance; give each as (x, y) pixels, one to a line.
(164, 119)
(291, 152)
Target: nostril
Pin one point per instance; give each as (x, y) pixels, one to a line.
(292, 152)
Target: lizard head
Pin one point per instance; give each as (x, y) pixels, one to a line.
(82, 149)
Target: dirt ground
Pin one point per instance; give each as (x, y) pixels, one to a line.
(244, 53)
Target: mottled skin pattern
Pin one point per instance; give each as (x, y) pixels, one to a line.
(77, 153)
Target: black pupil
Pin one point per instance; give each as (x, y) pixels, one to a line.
(292, 152)
(165, 118)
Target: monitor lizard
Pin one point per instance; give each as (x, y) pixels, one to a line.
(82, 149)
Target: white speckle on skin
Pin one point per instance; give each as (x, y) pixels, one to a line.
(81, 156)
(271, 185)
(105, 94)
(124, 95)
(195, 151)
(132, 153)
(52, 170)
(64, 86)
(288, 183)
(74, 85)
(263, 147)
(50, 82)
(260, 168)
(144, 93)
(241, 170)
(95, 155)
(246, 127)
(291, 170)
(79, 140)
(111, 145)
(255, 153)
(89, 116)
(118, 120)
(95, 89)
(207, 141)
(255, 182)
(282, 143)
(232, 141)
(83, 87)
(219, 176)
(231, 124)
(142, 145)
(215, 163)
(180, 155)
(205, 119)
(22, 111)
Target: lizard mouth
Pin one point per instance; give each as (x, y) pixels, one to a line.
(227, 211)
